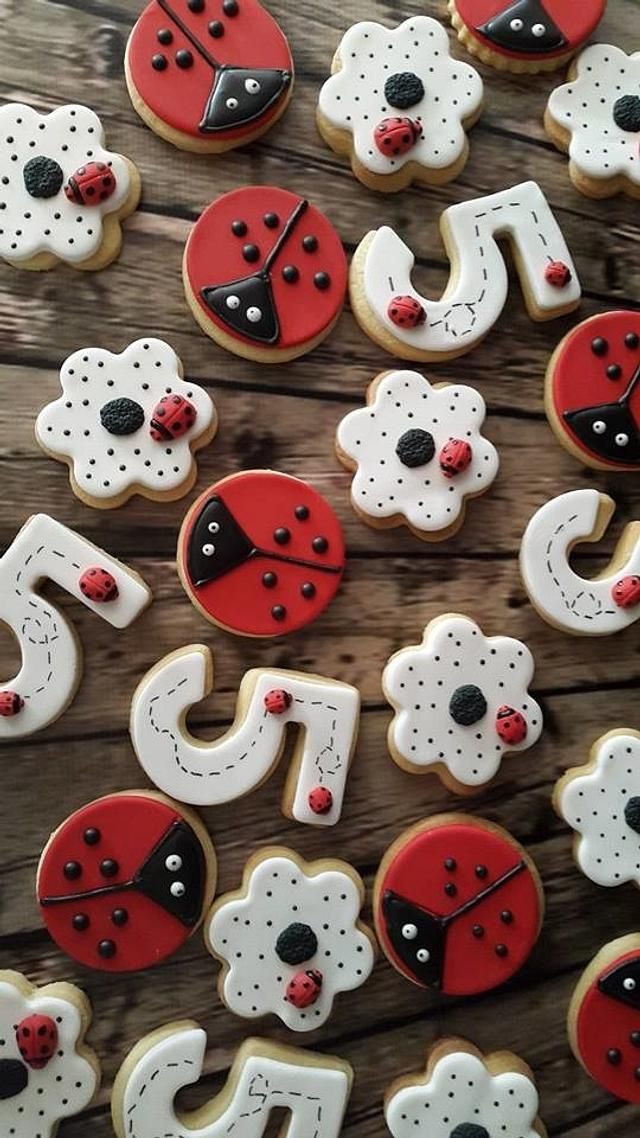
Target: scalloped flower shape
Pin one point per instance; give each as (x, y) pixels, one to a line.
(447, 693)
(353, 99)
(279, 892)
(461, 1097)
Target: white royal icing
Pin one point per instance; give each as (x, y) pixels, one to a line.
(598, 805)
(210, 773)
(383, 487)
(243, 933)
(51, 656)
(599, 148)
(64, 1087)
(105, 465)
(477, 290)
(573, 603)
(71, 136)
(353, 99)
(420, 681)
(460, 1090)
(314, 1096)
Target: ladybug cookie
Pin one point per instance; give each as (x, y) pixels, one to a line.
(125, 881)
(525, 35)
(458, 905)
(604, 1018)
(592, 393)
(265, 273)
(208, 75)
(261, 553)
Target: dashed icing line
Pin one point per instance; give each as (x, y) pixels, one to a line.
(571, 603)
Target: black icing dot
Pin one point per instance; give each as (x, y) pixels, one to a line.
(109, 867)
(599, 346)
(43, 177)
(184, 58)
(296, 943)
(230, 7)
(632, 339)
(614, 1056)
(250, 253)
(106, 949)
(634, 1038)
(216, 29)
(320, 545)
(290, 274)
(614, 371)
(469, 1130)
(269, 580)
(72, 870)
(122, 416)
(91, 836)
(308, 590)
(120, 917)
(309, 243)
(238, 228)
(626, 113)
(165, 36)
(632, 813)
(404, 89)
(302, 513)
(415, 448)
(80, 922)
(322, 281)
(467, 705)
(271, 220)
(159, 62)
(281, 535)
(195, 5)
(278, 612)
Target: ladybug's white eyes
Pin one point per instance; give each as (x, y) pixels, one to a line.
(213, 527)
(599, 427)
(516, 25)
(538, 30)
(622, 440)
(173, 863)
(208, 549)
(254, 314)
(233, 301)
(232, 104)
(629, 984)
(178, 889)
(423, 955)
(409, 932)
(251, 86)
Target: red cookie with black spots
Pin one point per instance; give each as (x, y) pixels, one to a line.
(126, 880)
(208, 75)
(265, 274)
(592, 391)
(525, 35)
(261, 553)
(458, 905)
(604, 1018)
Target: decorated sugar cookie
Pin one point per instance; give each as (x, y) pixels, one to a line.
(127, 424)
(418, 454)
(265, 273)
(47, 1072)
(592, 392)
(208, 75)
(290, 939)
(398, 104)
(458, 905)
(595, 119)
(461, 702)
(465, 1094)
(604, 1018)
(51, 666)
(62, 193)
(325, 711)
(525, 35)
(596, 606)
(126, 880)
(391, 311)
(261, 553)
(313, 1089)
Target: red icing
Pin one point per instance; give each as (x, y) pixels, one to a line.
(418, 874)
(177, 95)
(214, 256)
(603, 1024)
(576, 19)
(37, 1040)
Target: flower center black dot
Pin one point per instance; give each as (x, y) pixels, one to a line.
(626, 113)
(632, 813)
(404, 89)
(415, 448)
(43, 177)
(296, 943)
(467, 705)
(122, 416)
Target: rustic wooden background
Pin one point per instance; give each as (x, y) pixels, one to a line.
(56, 51)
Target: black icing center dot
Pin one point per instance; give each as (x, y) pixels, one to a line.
(626, 113)
(14, 1077)
(467, 705)
(632, 813)
(122, 416)
(43, 177)
(469, 1130)
(415, 447)
(296, 943)
(404, 89)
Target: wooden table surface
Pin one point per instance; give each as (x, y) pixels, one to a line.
(57, 51)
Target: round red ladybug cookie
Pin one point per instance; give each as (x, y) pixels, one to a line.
(604, 1018)
(592, 391)
(261, 553)
(458, 905)
(208, 75)
(126, 880)
(265, 273)
(525, 35)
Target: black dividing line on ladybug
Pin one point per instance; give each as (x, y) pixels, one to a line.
(99, 891)
(484, 893)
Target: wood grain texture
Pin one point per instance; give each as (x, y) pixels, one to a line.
(285, 417)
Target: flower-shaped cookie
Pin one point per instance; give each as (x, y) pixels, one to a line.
(601, 802)
(461, 701)
(596, 117)
(127, 424)
(291, 939)
(397, 98)
(60, 188)
(418, 453)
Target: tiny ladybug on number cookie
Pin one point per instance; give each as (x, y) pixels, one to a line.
(604, 1018)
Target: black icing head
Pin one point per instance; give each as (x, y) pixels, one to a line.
(296, 944)
(626, 113)
(467, 705)
(122, 416)
(469, 1130)
(608, 430)
(524, 26)
(622, 983)
(246, 306)
(417, 938)
(43, 177)
(404, 89)
(14, 1077)
(415, 448)
(175, 873)
(632, 813)
(217, 543)
(242, 95)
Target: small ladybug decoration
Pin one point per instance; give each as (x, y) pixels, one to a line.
(172, 418)
(455, 457)
(91, 184)
(511, 725)
(37, 1040)
(406, 312)
(278, 701)
(557, 274)
(320, 800)
(396, 136)
(10, 703)
(304, 989)
(626, 592)
(98, 585)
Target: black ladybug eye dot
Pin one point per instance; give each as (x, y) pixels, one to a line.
(599, 346)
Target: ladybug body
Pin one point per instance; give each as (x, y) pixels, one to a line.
(37, 1040)
(320, 800)
(304, 989)
(557, 274)
(172, 418)
(396, 136)
(91, 184)
(406, 312)
(511, 726)
(626, 592)
(10, 703)
(278, 701)
(455, 457)
(98, 585)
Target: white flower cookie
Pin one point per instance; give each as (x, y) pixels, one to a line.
(601, 802)
(127, 424)
(595, 118)
(399, 105)
(62, 194)
(418, 454)
(290, 939)
(461, 701)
